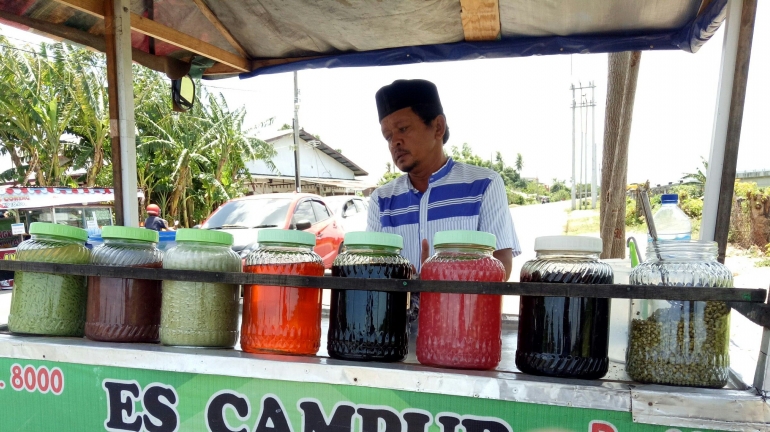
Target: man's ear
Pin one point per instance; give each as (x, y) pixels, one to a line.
(440, 127)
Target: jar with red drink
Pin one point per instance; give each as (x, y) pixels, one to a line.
(281, 319)
(461, 330)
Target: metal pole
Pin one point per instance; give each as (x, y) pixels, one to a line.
(593, 147)
(574, 186)
(297, 180)
(721, 117)
(582, 154)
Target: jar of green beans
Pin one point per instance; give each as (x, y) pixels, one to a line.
(682, 343)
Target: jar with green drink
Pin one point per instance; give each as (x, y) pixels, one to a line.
(200, 314)
(44, 303)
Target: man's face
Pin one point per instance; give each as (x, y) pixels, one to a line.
(411, 142)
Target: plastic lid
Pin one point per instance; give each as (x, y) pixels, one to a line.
(167, 236)
(374, 239)
(464, 237)
(47, 228)
(286, 236)
(568, 243)
(130, 233)
(204, 236)
(669, 198)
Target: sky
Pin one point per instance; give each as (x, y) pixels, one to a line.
(522, 105)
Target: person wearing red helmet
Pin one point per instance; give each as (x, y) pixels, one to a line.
(154, 221)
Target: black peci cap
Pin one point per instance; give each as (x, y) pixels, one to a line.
(406, 93)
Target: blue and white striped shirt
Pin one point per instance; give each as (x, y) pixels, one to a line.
(459, 197)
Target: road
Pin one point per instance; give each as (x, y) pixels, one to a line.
(533, 221)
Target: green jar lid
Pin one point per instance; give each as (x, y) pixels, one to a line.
(204, 236)
(52, 229)
(130, 233)
(367, 238)
(286, 236)
(464, 237)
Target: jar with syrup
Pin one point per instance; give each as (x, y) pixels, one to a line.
(461, 330)
(565, 336)
(120, 309)
(281, 319)
(369, 325)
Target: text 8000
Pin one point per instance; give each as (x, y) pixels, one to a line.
(41, 379)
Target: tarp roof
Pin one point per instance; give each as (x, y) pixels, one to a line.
(263, 36)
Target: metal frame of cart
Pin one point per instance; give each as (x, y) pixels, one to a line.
(486, 32)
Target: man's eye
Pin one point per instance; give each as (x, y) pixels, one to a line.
(403, 129)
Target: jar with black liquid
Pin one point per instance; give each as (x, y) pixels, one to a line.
(565, 336)
(369, 325)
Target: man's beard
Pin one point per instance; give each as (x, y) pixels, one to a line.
(407, 169)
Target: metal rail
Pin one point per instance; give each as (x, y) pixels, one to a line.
(749, 302)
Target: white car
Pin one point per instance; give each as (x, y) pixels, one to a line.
(350, 211)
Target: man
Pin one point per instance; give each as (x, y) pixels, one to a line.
(437, 194)
(153, 221)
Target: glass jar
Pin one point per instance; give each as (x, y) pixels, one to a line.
(44, 303)
(461, 330)
(369, 325)
(280, 319)
(680, 342)
(200, 314)
(124, 310)
(565, 336)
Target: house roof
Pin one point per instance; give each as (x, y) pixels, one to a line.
(323, 147)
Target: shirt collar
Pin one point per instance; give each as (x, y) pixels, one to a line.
(436, 176)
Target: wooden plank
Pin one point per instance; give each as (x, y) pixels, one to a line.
(757, 313)
(163, 64)
(211, 16)
(112, 96)
(734, 122)
(167, 34)
(481, 19)
(394, 285)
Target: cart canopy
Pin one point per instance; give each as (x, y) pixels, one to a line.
(254, 37)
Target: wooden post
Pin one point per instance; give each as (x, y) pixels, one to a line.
(121, 103)
(734, 121)
(112, 93)
(621, 89)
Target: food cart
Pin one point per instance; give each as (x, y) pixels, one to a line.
(75, 384)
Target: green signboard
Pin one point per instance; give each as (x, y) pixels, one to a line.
(51, 396)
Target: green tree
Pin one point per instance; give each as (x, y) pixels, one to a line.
(390, 174)
(699, 176)
(519, 162)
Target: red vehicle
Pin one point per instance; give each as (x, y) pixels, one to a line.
(244, 217)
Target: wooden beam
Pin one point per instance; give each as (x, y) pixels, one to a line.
(481, 19)
(208, 13)
(623, 72)
(112, 96)
(734, 122)
(173, 68)
(166, 34)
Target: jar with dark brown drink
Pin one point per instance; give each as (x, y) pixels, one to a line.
(125, 310)
(565, 336)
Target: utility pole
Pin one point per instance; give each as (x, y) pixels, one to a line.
(593, 146)
(583, 176)
(574, 185)
(297, 181)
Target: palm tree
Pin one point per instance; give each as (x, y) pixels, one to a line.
(519, 162)
(698, 177)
